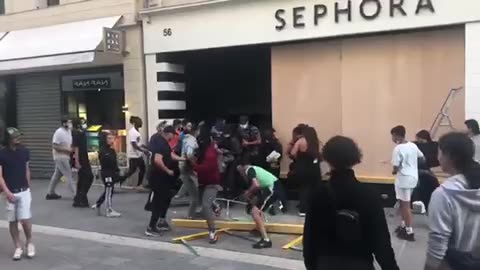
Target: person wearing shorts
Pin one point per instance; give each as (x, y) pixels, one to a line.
(405, 168)
(261, 183)
(15, 184)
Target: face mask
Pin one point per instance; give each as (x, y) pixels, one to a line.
(84, 126)
(69, 126)
(244, 125)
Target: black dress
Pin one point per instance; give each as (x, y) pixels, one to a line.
(306, 171)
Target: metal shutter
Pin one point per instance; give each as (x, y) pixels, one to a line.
(38, 116)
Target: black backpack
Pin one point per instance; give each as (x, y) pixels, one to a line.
(349, 232)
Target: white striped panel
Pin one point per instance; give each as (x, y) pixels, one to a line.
(170, 86)
(172, 105)
(169, 67)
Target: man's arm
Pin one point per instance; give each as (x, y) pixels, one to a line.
(28, 174)
(177, 157)
(61, 149)
(252, 176)
(159, 162)
(396, 161)
(4, 187)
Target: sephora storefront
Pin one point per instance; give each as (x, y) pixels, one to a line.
(346, 67)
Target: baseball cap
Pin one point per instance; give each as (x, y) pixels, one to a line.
(13, 132)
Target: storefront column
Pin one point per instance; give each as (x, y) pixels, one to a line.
(472, 71)
(166, 99)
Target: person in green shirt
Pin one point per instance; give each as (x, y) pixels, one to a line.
(261, 183)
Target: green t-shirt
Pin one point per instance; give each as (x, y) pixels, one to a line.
(265, 178)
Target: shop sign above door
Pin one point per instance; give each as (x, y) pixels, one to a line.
(95, 83)
(342, 12)
(237, 23)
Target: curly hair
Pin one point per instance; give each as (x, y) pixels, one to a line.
(342, 152)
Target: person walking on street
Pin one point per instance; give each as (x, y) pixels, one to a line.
(187, 175)
(405, 168)
(110, 174)
(81, 163)
(345, 226)
(62, 150)
(260, 190)
(205, 165)
(136, 151)
(474, 133)
(454, 211)
(162, 180)
(15, 182)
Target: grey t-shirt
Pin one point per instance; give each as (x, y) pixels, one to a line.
(62, 137)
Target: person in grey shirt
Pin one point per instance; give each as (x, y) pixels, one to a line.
(187, 175)
(454, 211)
(62, 150)
(474, 133)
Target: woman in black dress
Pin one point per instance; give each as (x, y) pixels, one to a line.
(306, 155)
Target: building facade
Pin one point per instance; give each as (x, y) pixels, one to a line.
(356, 68)
(69, 57)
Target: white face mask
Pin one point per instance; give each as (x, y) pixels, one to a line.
(244, 125)
(84, 126)
(69, 126)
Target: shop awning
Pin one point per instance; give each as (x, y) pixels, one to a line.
(77, 44)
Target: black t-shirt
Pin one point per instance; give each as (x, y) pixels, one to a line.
(158, 145)
(80, 141)
(14, 167)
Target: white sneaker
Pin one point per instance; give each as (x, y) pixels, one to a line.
(113, 214)
(17, 255)
(30, 250)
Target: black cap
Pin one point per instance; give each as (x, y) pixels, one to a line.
(169, 129)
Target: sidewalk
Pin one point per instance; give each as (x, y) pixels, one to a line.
(61, 214)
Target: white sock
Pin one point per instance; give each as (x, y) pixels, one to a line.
(409, 230)
(403, 224)
(266, 239)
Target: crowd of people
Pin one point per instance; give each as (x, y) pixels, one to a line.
(345, 225)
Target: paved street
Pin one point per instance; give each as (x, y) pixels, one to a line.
(65, 236)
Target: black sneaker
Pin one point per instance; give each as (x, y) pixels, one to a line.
(262, 244)
(399, 229)
(53, 197)
(163, 226)
(153, 232)
(403, 235)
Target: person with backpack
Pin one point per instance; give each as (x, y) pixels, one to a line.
(454, 211)
(345, 226)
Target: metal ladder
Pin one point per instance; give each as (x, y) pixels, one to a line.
(443, 117)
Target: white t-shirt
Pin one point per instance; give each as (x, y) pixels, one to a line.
(62, 137)
(476, 141)
(405, 156)
(134, 136)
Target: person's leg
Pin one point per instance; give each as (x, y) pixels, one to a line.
(281, 195)
(27, 229)
(88, 181)
(404, 195)
(24, 214)
(54, 180)
(15, 234)
(132, 167)
(189, 181)
(141, 171)
(66, 170)
(208, 198)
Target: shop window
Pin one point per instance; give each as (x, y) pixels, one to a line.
(53, 3)
(2, 7)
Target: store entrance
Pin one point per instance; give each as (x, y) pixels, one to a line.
(229, 82)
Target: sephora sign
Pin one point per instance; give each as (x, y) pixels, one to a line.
(343, 12)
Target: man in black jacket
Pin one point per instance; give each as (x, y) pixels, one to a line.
(81, 163)
(345, 224)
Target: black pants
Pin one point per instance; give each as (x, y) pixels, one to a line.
(109, 184)
(279, 194)
(159, 199)
(85, 180)
(134, 164)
